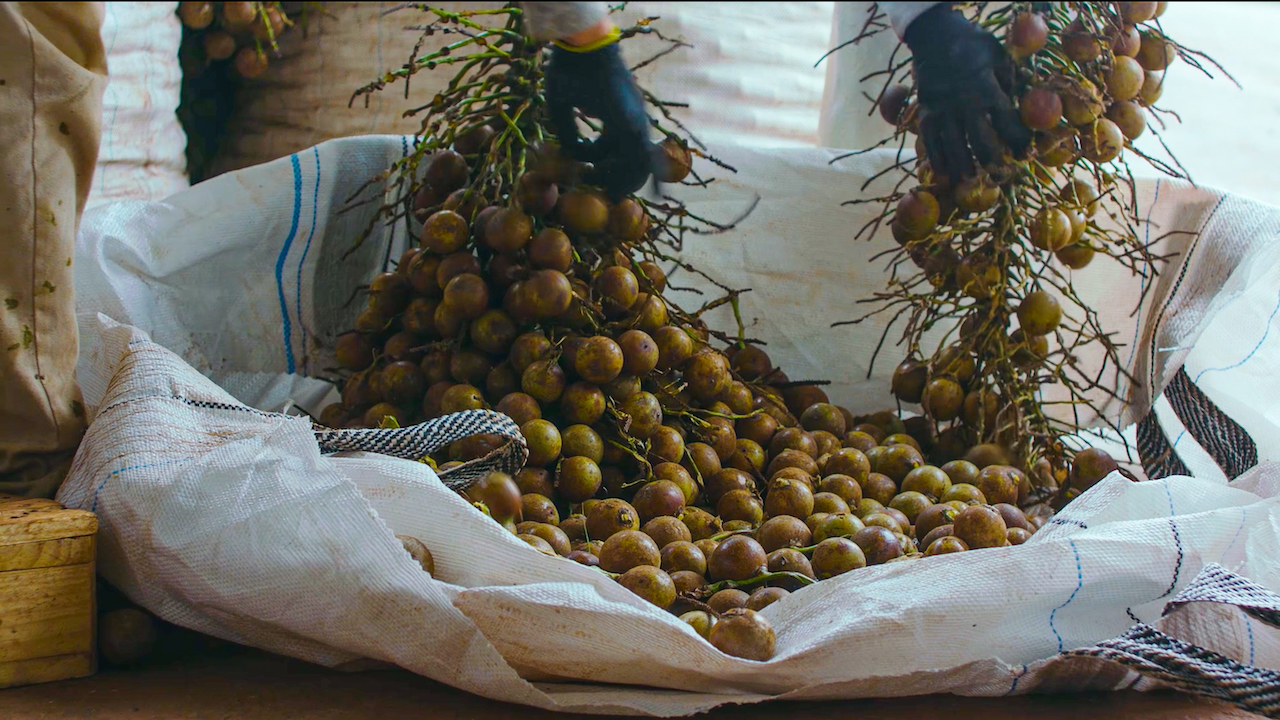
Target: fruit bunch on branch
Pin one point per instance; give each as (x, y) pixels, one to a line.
(989, 261)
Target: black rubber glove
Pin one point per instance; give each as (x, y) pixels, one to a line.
(964, 80)
(599, 84)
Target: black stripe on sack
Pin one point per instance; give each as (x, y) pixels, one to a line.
(1219, 585)
(1068, 521)
(1229, 444)
(1191, 669)
(1173, 291)
(1157, 456)
(1177, 568)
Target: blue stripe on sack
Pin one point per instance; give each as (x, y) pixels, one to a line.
(1254, 351)
(284, 253)
(1244, 516)
(1079, 584)
(1017, 679)
(1248, 625)
(113, 473)
(297, 299)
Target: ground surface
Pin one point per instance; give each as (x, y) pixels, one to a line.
(241, 684)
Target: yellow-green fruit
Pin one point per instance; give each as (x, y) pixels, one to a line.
(1152, 88)
(1039, 313)
(976, 194)
(1082, 106)
(1103, 142)
(1156, 52)
(1075, 256)
(917, 213)
(1124, 79)
(1051, 229)
(1129, 117)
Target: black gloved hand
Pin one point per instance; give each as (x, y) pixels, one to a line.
(599, 84)
(964, 80)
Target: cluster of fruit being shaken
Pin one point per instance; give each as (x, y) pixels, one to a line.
(1088, 114)
(236, 31)
(996, 246)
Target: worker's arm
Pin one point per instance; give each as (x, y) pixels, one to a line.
(587, 74)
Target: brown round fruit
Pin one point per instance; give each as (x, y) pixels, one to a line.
(677, 161)
(707, 374)
(1051, 229)
(508, 230)
(582, 212)
(980, 526)
(737, 558)
(552, 250)
(617, 289)
(651, 584)
(608, 517)
(1041, 109)
(1129, 117)
(908, 381)
(666, 530)
(943, 399)
(628, 549)
(1082, 105)
(1027, 35)
(1076, 256)
(836, 556)
(196, 15)
(1039, 313)
(998, 483)
(1156, 52)
(445, 232)
(639, 352)
(879, 545)
(500, 494)
(743, 633)
(1089, 467)
(659, 498)
(544, 380)
(578, 478)
(1124, 79)
(945, 545)
(674, 347)
(1103, 142)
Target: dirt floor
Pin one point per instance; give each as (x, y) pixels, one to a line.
(232, 683)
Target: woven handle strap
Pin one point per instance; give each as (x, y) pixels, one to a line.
(1194, 669)
(417, 441)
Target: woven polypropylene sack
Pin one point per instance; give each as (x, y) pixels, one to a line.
(221, 517)
(142, 155)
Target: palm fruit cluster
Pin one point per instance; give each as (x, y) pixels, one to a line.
(986, 265)
(240, 32)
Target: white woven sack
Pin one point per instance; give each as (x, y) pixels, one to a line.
(142, 155)
(231, 521)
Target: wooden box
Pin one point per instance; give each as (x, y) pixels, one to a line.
(47, 606)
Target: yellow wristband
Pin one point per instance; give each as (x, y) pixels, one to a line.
(612, 37)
